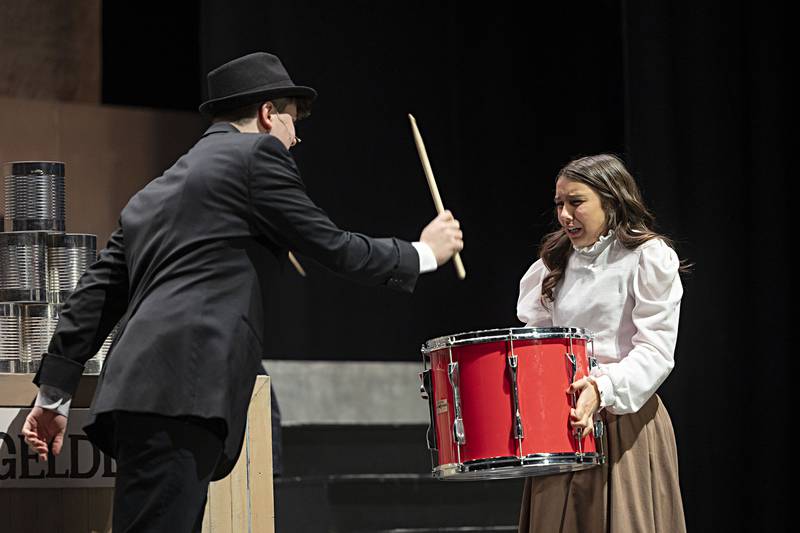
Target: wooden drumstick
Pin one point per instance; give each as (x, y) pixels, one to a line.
(437, 200)
(296, 264)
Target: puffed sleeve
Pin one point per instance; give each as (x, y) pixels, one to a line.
(529, 306)
(625, 386)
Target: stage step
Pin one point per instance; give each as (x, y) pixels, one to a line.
(318, 450)
(466, 529)
(394, 502)
(356, 466)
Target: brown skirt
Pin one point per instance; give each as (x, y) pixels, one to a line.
(635, 491)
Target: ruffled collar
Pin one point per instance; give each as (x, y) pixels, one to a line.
(593, 250)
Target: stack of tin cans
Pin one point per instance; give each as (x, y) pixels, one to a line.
(40, 264)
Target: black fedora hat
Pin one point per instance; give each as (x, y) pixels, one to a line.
(249, 79)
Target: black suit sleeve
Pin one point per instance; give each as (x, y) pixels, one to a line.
(282, 210)
(88, 316)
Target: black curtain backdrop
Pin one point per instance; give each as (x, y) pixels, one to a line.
(706, 133)
(502, 99)
(151, 54)
(692, 95)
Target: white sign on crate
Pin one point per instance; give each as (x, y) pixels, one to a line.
(79, 464)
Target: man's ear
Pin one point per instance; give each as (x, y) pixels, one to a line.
(264, 117)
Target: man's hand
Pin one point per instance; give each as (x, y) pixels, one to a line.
(42, 427)
(444, 237)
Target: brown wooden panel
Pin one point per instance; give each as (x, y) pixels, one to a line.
(100, 503)
(242, 501)
(74, 510)
(51, 49)
(219, 495)
(206, 522)
(110, 152)
(56, 510)
(262, 501)
(240, 498)
(18, 390)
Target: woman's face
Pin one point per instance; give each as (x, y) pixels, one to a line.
(580, 212)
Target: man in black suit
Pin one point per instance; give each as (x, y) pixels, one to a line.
(185, 274)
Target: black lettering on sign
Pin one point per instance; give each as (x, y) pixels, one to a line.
(17, 461)
(51, 467)
(8, 466)
(75, 441)
(25, 456)
(108, 467)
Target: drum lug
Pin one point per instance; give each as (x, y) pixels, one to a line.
(599, 430)
(427, 394)
(458, 431)
(512, 362)
(422, 392)
(458, 423)
(573, 371)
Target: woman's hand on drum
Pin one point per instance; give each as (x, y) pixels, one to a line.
(588, 403)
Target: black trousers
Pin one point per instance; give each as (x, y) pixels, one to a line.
(164, 466)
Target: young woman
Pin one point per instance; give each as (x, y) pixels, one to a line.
(606, 270)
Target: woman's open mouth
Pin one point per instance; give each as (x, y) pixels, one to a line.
(574, 232)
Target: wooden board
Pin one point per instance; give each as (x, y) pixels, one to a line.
(243, 501)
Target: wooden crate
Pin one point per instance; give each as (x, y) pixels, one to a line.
(243, 501)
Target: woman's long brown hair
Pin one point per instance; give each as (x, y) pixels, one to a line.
(626, 214)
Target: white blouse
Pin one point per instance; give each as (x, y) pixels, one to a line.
(630, 300)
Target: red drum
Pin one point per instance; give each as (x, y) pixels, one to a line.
(499, 406)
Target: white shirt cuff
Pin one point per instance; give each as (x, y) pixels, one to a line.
(54, 399)
(427, 259)
(606, 389)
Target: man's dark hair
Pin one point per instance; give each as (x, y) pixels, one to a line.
(246, 113)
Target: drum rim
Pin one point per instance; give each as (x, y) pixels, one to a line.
(503, 467)
(500, 334)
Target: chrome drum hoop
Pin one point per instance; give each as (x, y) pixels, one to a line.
(540, 464)
(505, 334)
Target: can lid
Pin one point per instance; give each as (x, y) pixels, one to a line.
(35, 168)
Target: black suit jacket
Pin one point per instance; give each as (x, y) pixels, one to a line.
(186, 272)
